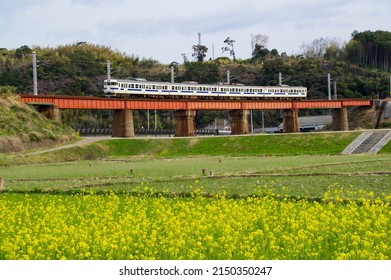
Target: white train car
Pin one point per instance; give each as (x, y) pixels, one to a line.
(144, 88)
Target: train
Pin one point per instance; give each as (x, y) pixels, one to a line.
(137, 87)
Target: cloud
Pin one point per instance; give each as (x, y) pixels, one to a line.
(165, 29)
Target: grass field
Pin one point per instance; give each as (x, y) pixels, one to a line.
(307, 176)
(184, 199)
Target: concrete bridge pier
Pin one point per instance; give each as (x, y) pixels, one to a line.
(291, 121)
(239, 122)
(340, 119)
(123, 123)
(185, 123)
(52, 112)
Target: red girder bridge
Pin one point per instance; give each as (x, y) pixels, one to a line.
(185, 110)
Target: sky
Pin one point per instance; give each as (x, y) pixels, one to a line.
(164, 30)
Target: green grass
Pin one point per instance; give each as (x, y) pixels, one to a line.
(238, 146)
(271, 145)
(386, 149)
(305, 176)
(300, 164)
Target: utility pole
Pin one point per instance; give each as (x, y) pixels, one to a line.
(108, 70)
(251, 121)
(329, 85)
(228, 78)
(335, 89)
(279, 79)
(35, 79)
(172, 74)
(155, 121)
(148, 119)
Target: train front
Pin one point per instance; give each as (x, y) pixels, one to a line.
(110, 88)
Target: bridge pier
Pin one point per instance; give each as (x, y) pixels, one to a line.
(52, 112)
(123, 123)
(185, 123)
(239, 122)
(340, 119)
(291, 121)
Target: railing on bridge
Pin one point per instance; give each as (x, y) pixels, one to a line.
(94, 131)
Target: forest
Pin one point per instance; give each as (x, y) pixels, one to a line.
(359, 68)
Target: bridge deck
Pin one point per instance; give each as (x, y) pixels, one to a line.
(96, 103)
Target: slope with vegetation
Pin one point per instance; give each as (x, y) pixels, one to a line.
(21, 127)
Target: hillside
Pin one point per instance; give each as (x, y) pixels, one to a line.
(22, 128)
(79, 69)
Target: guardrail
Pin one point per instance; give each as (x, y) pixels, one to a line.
(91, 131)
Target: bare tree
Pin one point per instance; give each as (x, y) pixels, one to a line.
(260, 40)
(318, 47)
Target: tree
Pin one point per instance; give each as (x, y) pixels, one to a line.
(199, 52)
(260, 40)
(205, 73)
(318, 47)
(259, 53)
(371, 48)
(230, 47)
(23, 51)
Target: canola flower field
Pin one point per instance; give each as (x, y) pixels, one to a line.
(345, 223)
